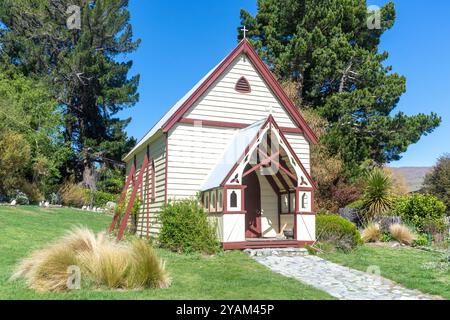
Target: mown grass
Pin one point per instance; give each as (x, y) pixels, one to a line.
(413, 268)
(230, 275)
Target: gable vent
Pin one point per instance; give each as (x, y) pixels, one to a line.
(243, 86)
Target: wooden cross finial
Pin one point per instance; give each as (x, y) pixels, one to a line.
(245, 32)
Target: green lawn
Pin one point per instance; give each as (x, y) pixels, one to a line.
(231, 275)
(413, 268)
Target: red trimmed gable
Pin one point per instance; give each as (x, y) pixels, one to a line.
(244, 47)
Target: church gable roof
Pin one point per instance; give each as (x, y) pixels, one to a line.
(176, 113)
(240, 147)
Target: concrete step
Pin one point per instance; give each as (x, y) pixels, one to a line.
(290, 252)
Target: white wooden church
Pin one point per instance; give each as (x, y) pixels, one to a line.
(238, 139)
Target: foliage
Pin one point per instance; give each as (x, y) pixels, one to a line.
(338, 231)
(55, 198)
(437, 182)
(103, 262)
(74, 195)
(357, 204)
(326, 170)
(421, 240)
(423, 211)
(120, 208)
(185, 228)
(385, 237)
(377, 199)
(14, 159)
(31, 190)
(99, 199)
(110, 180)
(83, 68)
(371, 233)
(402, 234)
(30, 121)
(346, 193)
(20, 197)
(334, 189)
(327, 50)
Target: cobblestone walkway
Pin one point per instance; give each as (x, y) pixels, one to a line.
(341, 282)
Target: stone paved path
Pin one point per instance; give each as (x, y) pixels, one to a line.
(341, 282)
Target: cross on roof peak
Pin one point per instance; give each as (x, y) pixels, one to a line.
(245, 32)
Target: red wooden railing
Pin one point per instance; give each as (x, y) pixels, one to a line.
(129, 207)
(122, 198)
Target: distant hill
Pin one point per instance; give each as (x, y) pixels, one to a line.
(414, 176)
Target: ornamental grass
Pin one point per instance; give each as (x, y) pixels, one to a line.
(102, 262)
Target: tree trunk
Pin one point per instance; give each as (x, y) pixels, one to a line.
(89, 172)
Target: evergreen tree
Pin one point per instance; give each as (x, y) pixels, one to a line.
(77, 47)
(329, 50)
(437, 182)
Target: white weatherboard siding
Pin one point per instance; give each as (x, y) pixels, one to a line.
(158, 153)
(269, 208)
(233, 227)
(223, 103)
(301, 148)
(306, 227)
(193, 153)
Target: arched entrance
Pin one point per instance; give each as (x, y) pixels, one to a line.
(252, 205)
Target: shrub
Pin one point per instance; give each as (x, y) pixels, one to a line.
(21, 198)
(74, 195)
(101, 198)
(185, 228)
(358, 204)
(420, 241)
(437, 182)
(338, 231)
(32, 191)
(135, 210)
(147, 271)
(55, 198)
(402, 234)
(371, 233)
(15, 155)
(343, 194)
(377, 198)
(102, 262)
(423, 211)
(385, 237)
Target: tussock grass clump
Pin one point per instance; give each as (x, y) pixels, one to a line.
(402, 234)
(371, 233)
(103, 262)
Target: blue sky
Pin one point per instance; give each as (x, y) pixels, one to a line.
(182, 40)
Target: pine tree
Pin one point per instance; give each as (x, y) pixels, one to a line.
(81, 59)
(329, 50)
